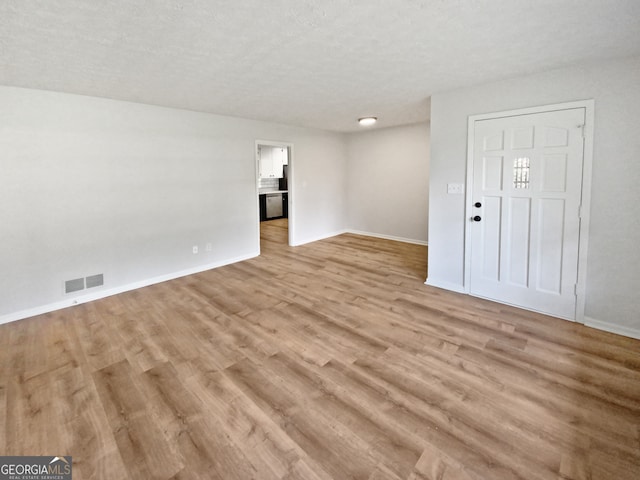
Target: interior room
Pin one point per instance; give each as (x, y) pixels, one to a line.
(320, 240)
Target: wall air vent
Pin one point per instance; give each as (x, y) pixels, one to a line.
(74, 285)
(95, 280)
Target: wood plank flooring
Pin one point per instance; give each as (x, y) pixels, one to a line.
(325, 361)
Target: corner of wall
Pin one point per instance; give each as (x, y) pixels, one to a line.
(454, 287)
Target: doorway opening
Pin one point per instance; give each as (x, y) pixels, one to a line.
(274, 182)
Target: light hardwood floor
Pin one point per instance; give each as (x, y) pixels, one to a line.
(328, 360)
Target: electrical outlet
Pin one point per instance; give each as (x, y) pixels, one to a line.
(209, 247)
(195, 249)
(455, 188)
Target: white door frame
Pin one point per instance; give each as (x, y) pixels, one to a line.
(585, 207)
(290, 203)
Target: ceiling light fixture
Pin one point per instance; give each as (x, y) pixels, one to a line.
(367, 121)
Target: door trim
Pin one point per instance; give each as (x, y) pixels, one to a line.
(290, 202)
(585, 209)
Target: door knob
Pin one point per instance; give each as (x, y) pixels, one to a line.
(477, 204)
(477, 218)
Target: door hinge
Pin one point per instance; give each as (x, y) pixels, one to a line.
(575, 289)
(581, 127)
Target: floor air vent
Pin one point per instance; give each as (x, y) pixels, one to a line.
(95, 280)
(74, 285)
(78, 284)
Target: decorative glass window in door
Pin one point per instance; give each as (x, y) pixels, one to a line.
(521, 172)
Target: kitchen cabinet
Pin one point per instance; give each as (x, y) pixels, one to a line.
(280, 156)
(271, 160)
(266, 162)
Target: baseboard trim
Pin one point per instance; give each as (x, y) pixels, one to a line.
(612, 327)
(73, 301)
(322, 237)
(454, 287)
(360, 232)
(588, 321)
(388, 237)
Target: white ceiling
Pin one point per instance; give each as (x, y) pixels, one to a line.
(315, 63)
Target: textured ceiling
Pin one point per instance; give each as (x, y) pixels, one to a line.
(321, 63)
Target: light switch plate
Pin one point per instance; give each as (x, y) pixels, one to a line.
(455, 188)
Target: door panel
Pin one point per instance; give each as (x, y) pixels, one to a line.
(492, 173)
(556, 137)
(528, 176)
(554, 173)
(550, 245)
(519, 231)
(491, 233)
(522, 138)
(493, 142)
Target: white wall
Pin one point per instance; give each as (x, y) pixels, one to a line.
(90, 185)
(612, 276)
(388, 182)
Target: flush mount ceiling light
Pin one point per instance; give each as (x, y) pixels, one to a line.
(366, 121)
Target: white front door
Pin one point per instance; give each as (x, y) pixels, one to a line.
(525, 222)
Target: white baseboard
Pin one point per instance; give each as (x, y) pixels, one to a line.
(360, 232)
(388, 237)
(612, 327)
(588, 321)
(454, 287)
(72, 301)
(322, 237)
